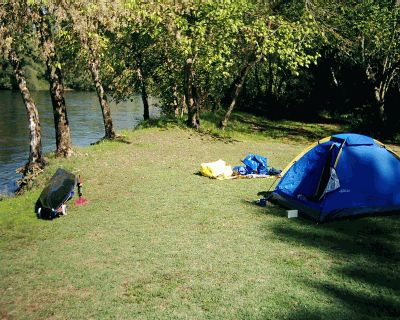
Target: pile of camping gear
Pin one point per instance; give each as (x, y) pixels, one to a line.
(52, 202)
(255, 166)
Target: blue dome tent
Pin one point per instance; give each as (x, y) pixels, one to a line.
(342, 176)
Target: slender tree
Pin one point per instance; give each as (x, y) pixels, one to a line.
(46, 22)
(202, 39)
(87, 22)
(132, 53)
(94, 65)
(15, 29)
(35, 159)
(238, 86)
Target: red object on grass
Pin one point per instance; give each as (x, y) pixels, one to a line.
(81, 201)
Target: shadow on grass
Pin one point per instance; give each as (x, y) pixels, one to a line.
(363, 277)
(289, 129)
(245, 123)
(118, 138)
(351, 304)
(162, 122)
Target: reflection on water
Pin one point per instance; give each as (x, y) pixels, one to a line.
(84, 115)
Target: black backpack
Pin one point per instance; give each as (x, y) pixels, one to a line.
(59, 190)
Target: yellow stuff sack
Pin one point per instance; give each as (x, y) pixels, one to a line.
(216, 169)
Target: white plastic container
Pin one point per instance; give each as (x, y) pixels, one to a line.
(292, 213)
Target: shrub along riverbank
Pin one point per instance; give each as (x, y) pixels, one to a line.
(158, 241)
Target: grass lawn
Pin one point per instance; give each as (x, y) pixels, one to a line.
(157, 241)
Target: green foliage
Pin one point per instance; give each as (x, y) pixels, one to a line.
(18, 32)
(145, 45)
(7, 80)
(366, 36)
(219, 37)
(290, 42)
(131, 55)
(213, 35)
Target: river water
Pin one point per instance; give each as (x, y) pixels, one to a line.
(84, 115)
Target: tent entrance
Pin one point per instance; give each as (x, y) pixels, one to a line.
(324, 178)
(328, 181)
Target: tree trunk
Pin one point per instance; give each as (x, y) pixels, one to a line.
(257, 79)
(238, 88)
(175, 101)
(379, 94)
(63, 135)
(184, 106)
(189, 90)
(143, 91)
(35, 150)
(381, 86)
(270, 77)
(105, 108)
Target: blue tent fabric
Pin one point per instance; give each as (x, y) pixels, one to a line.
(348, 175)
(250, 163)
(253, 164)
(353, 139)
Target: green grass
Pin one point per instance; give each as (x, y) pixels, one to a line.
(157, 241)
